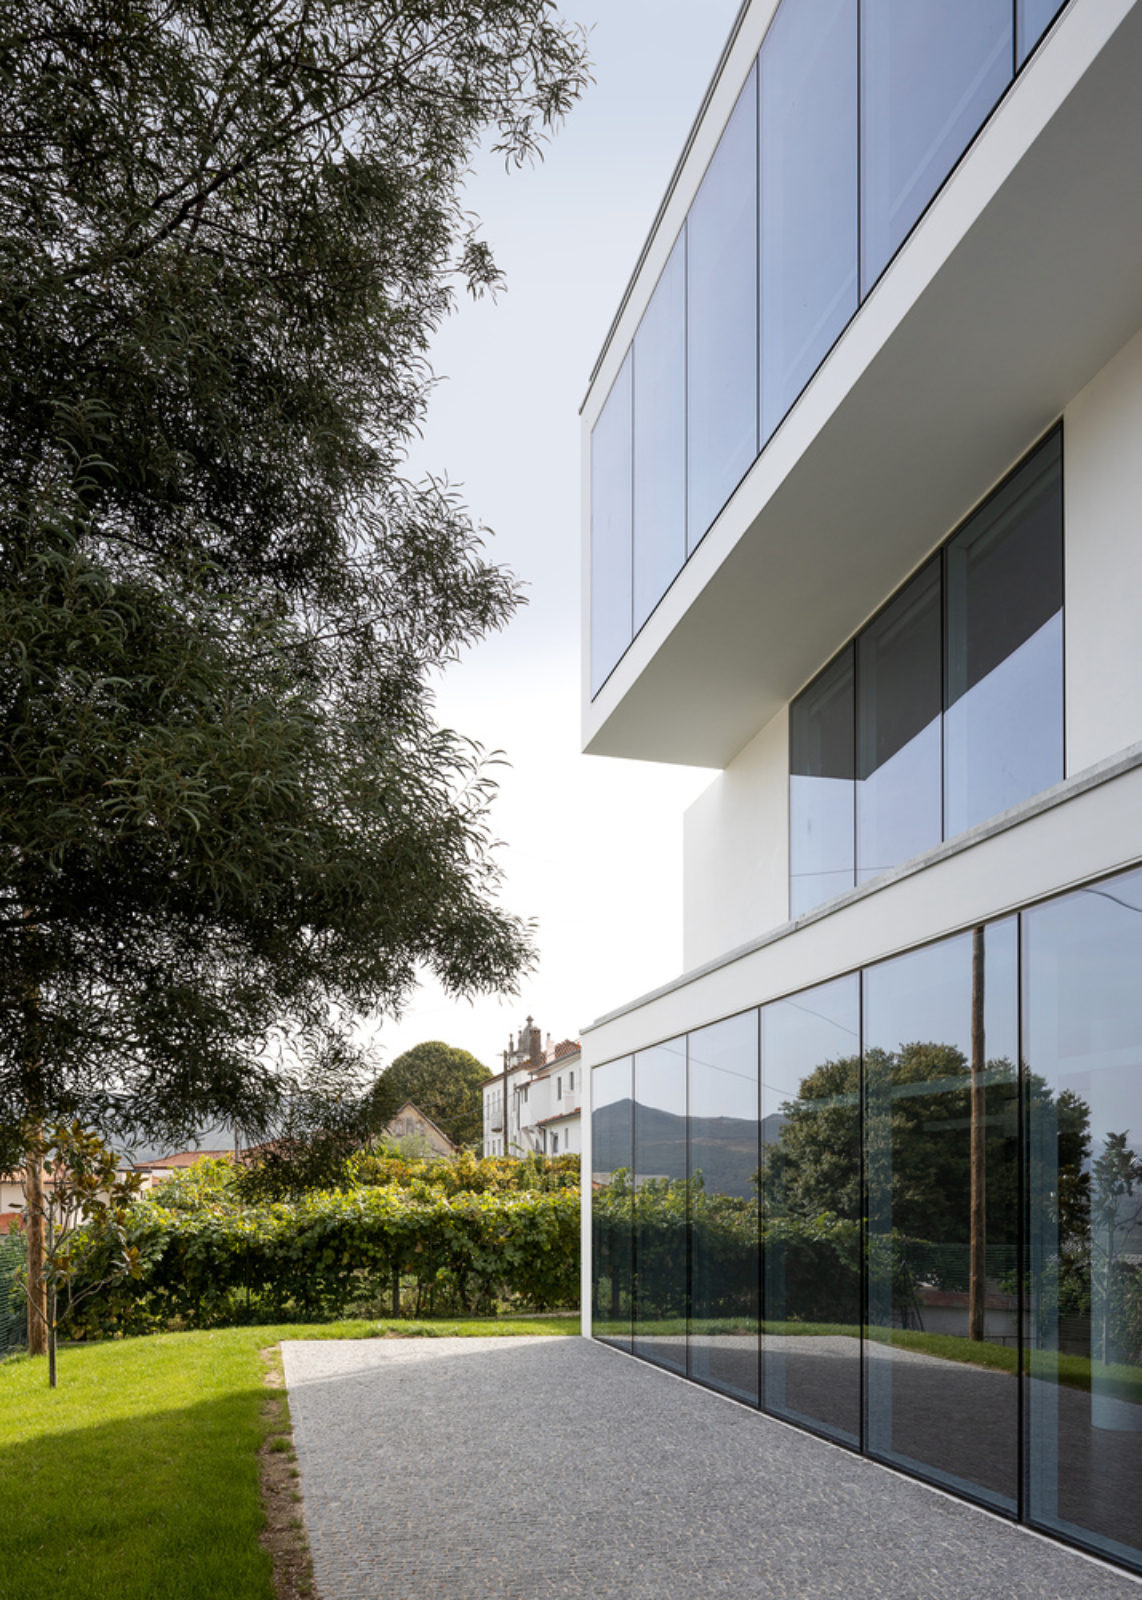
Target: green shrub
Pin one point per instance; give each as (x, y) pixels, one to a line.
(217, 1261)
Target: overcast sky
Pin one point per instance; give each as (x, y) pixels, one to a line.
(592, 847)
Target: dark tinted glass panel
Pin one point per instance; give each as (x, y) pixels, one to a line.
(611, 530)
(724, 1159)
(612, 1211)
(898, 728)
(721, 336)
(808, 67)
(811, 1126)
(821, 759)
(1083, 1045)
(660, 438)
(931, 71)
(1003, 724)
(660, 1227)
(1035, 17)
(941, 1152)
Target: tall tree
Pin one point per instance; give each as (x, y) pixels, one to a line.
(443, 1081)
(229, 827)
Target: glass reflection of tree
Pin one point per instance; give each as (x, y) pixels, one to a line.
(1115, 1176)
(938, 1128)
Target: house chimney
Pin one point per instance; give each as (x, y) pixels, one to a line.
(534, 1045)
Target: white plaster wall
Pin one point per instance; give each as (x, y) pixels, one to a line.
(1081, 830)
(1102, 475)
(736, 850)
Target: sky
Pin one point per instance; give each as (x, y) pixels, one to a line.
(592, 847)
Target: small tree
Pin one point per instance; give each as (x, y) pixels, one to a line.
(442, 1081)
(83, 1193)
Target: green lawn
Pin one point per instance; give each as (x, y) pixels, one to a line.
(137, 1479)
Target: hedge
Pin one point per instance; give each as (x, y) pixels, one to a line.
(320, 1256)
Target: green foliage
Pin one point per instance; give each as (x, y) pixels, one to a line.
(83, 1190)
(208, 1258)
(441, 1080)
(466, 1173)
(13, 1318)
(230, 825)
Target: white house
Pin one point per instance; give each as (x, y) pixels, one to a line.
(538, 1095)
(863, 534)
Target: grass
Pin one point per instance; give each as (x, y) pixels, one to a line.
(137, 1479)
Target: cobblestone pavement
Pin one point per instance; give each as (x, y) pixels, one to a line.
(558, 1469)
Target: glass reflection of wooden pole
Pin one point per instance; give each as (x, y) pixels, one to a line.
(977, 1284)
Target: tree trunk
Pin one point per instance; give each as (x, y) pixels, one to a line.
(977, 1281)
(34, 1234)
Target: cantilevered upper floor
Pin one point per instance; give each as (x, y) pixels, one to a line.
(903, 237)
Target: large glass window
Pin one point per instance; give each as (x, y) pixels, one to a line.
(721, 299)
(1003, 596)
(660, 1205)
(723, 1193)
(737, 327)
(958, 706)
(931, 71)
(898, 808)
(941, 1166)
(660, 438)
(938, 1217)
(611, 498)
(1083, 1049)
(821, 763)
(612, 1191)
(808, 68)
(811, 1123)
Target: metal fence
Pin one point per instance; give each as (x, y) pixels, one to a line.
(13, 1316)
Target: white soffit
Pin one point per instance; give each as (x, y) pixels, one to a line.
(1020, 283)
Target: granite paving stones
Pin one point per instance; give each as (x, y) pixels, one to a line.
(560, 1469)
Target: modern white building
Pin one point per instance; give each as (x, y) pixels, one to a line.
(863, 534)
(533, 1105)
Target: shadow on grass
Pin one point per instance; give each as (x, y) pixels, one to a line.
(156, 1506)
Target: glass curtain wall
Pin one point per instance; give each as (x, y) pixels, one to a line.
(612, 1205)
(954, 708)
(811, 1277)
(661, 1210)
(898, 804)
(808, 83)
(771, 248)
(1003, 609)
(721, 320)
(951, 1194)
(724, 1161)
(611, 528)
(822, 853)
(941, 1047)
(1083, 1065)
(930, 74)
(1035, 17)
(660, 438)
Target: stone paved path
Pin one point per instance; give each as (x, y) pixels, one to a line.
(558, 1469)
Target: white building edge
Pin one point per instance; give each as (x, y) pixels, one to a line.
(1006, 319)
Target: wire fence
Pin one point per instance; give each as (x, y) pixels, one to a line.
(13, 1318)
